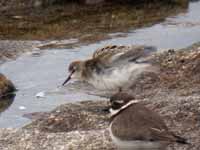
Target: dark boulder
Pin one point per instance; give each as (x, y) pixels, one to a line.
(6, 86)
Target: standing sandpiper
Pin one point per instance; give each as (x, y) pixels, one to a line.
(135, 127)
(113, 66)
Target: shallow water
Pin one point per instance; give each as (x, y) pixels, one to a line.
(45, 71)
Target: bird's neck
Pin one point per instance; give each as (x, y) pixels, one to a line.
(117, 111)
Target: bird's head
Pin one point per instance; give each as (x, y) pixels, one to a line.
(120, 99)
(75, 71)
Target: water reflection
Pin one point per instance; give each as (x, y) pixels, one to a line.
(6, 101)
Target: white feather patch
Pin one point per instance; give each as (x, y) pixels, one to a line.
(114, 112)
(117, 77)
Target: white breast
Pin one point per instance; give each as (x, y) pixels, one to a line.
(118, 77)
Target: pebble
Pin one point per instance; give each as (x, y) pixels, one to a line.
(22, 107)
(40, 95)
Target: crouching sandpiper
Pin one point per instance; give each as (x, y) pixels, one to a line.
(113, 66)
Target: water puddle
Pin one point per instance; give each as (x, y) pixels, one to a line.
(44, 72)
(176, 32)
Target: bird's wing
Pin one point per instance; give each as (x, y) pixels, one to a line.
(155, 127)
(140, 123)
(114, 55)
(136, 122)
(109, 50)
(138, 54)
(165, 135)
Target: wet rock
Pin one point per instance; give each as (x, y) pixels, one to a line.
(75, 126)
(83, 126)
(85, 115)
(7, 95)
(76, 140)
(6, 86)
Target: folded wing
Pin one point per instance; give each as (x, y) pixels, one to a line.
(114, 55)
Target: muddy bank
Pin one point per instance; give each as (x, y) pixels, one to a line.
(86, 23)
(173, 92)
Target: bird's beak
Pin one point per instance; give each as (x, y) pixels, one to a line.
(68, 78)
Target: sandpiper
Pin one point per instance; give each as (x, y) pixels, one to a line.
(135, 127)
(112, 67)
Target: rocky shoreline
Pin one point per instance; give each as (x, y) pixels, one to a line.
(22, 21)
(173, 92)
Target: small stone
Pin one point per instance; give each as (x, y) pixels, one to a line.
(22, 107)
(40, 95)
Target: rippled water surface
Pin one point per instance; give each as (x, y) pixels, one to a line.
(46, 71)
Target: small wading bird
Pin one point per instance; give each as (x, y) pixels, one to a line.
(135, 127)
(113, 66)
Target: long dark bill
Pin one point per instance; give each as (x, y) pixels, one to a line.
(68, 78)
